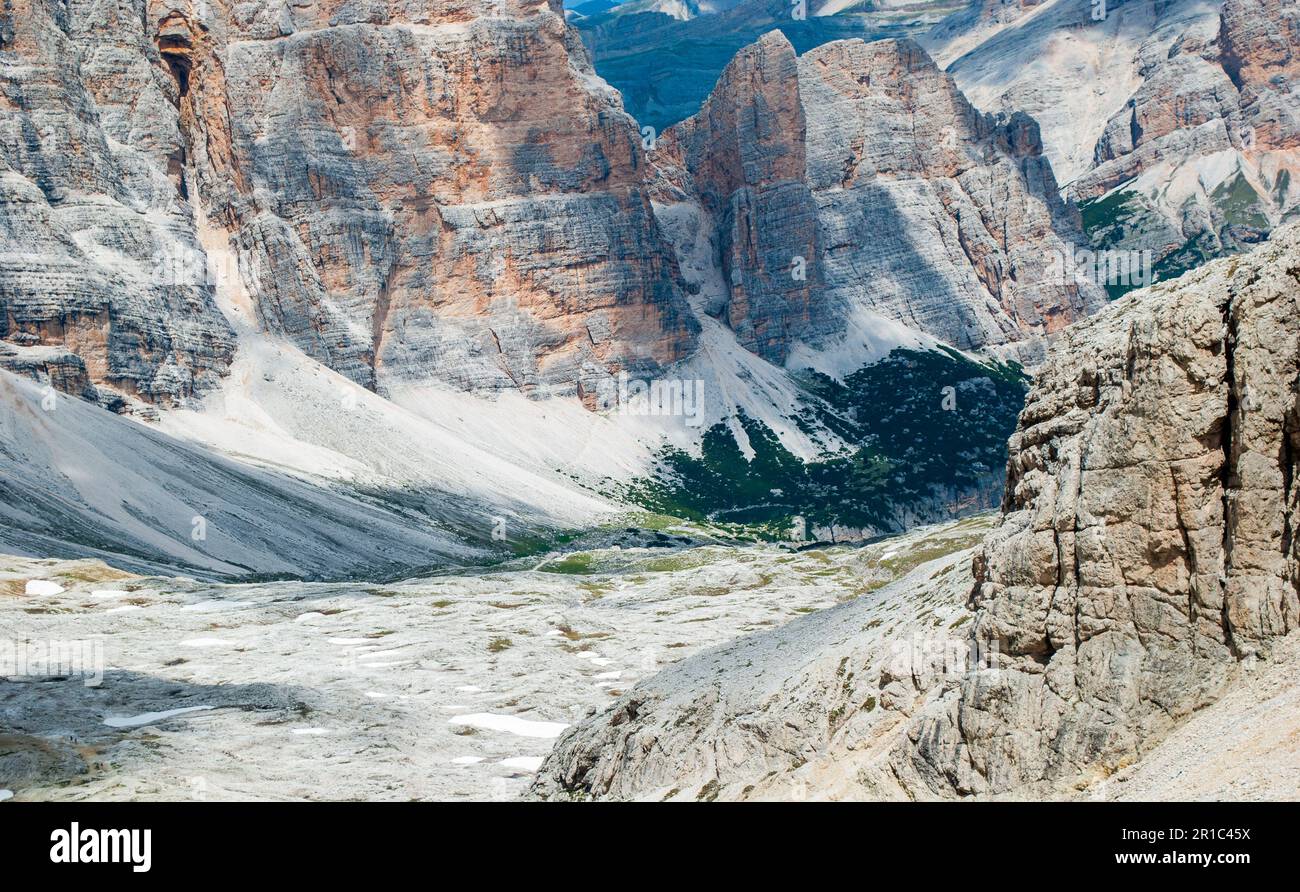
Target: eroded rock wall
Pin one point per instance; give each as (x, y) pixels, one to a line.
(405, 191)
(1146, 555)
(94, 227)
(446, 191)
(857, 179)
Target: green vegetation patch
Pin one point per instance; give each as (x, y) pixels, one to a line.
(918, 422)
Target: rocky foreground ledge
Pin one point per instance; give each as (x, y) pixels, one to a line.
(1141, 589)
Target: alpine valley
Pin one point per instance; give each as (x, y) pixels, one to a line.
(425, 376)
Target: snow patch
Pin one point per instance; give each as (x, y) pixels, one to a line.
(146, 718)
(43, 587)
(489, 721)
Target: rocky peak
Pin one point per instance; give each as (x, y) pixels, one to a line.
(742, 158)
(856, 180)
(751, 129)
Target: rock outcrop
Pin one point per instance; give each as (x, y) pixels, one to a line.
(666, 60)
(1146, 555)
(1145, 562)
(857, 178)
(1259, 48)
(1200, 160)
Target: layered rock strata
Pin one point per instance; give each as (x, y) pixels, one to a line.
(1175, 125)
(443, 191)
(856, 179)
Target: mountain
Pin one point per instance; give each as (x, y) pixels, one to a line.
(365, 174)
(1143, 579)
(384, 334)
(904, 203)
(847, 216)
(1173, 124)
(426, 259)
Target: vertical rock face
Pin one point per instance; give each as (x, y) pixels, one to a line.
(446, 192)
(1147, 549)
(865, 162)
(97, 249)
(1259, 42)
(440, 193)
(1219, 106)
(437, 191)
(746, 156)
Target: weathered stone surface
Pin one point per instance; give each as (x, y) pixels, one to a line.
(1259, 43)
(758, 716)
(744, 155)
(862, 167)
(1176, 125)
(434, 191)
(284, 655)
(1146, 555)
(1145, 562)
(1223, 107)
(93, 232)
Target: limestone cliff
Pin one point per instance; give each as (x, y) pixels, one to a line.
(442, 191)
(856, 180)
(1146, 556)
(94, 229)
(1174, 123)
(445, 192)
